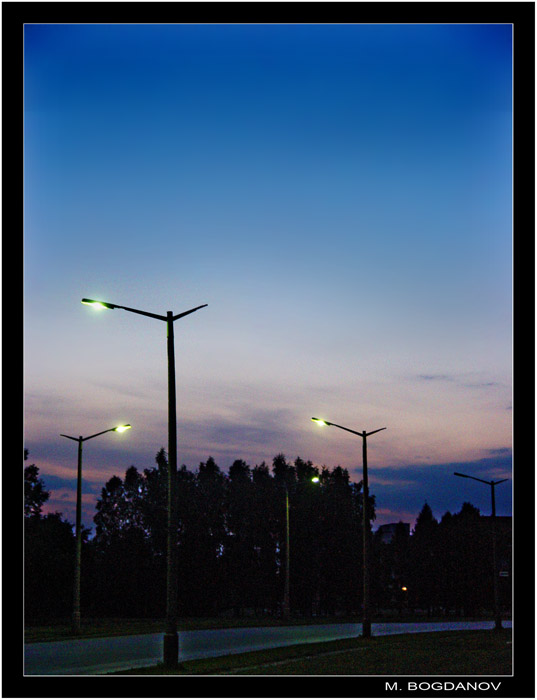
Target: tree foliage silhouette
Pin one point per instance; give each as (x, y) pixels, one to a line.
(424, 561)
(49, 549)
(231, 547)
(231, 538)
(35, 495)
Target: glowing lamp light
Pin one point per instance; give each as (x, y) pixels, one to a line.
(97, 304)
(404, 588)
(122, 428)
(319, 421)
(315, 479)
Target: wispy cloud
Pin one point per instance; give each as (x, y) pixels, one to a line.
(459, 379)
(500, 451)
(436, 377)
(479, 385)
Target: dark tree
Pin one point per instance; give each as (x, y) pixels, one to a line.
(266, 533)
(49, 556)
(305, 528)
(128, 575)
(448, 558)
(49, 550)
(471, 546)
(154, 504)
(392, 572)
(424, 586)
(202, 542)
(240, 555)
(35, 494)
(341, 542)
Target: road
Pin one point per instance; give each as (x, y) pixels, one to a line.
(103, 655)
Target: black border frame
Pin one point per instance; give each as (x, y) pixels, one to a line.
(522, 16)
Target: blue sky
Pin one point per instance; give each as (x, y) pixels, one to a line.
(341, 198)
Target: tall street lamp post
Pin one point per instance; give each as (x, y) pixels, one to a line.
(286, 598)
(366, 616)
(286, 602)
(492, 484)
(171, 638)
(78, 525)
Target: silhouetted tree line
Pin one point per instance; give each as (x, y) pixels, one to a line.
(230, 539)
(443, 568)
(231, 547)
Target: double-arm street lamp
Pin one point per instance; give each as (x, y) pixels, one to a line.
(366, 615)
(78, 525)
(171, 638)
(286, 598)
(492, 484)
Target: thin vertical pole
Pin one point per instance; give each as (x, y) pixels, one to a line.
(366, 619)
(497, 616)
(78, 537)
(171, 638)
(286, 602)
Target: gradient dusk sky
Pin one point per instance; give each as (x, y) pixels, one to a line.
(340, 195)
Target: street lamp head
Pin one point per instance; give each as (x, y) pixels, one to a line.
(98, 304)
(122, 428)
(319, 421)
(315, 479)
(475, 478)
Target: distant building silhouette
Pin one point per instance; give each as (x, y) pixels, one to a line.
(504, 533)
(386, 533)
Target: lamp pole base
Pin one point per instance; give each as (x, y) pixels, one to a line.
(75, 623)
(171, 650)
(366, 628)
